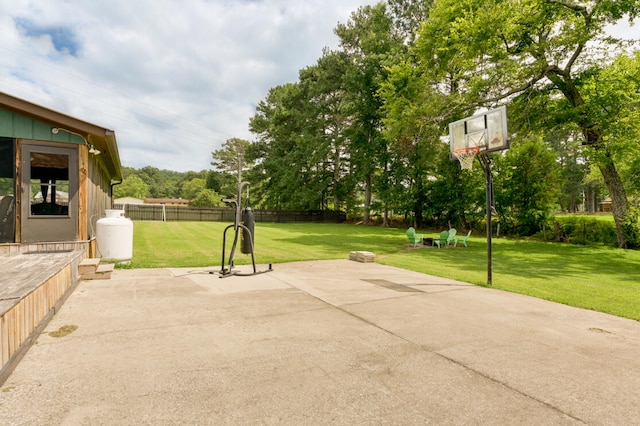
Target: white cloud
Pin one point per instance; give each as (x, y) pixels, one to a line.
(174, 79)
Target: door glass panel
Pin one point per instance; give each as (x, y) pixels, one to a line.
(49, 184)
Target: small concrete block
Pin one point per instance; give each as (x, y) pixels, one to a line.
(362, 256)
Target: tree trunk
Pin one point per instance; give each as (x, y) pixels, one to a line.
(418, 200)
(619, 202)
(572, 203)
(367, 200)
(591, 200)
(612, 179)
(336, 178)
(563, 81)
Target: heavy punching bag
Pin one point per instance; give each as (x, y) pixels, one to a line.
(247, 235)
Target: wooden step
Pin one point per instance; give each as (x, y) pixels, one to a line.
(88, 266)
(103, 272)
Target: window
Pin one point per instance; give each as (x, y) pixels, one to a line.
(49, 184)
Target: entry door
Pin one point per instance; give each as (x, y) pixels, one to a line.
(49, 200)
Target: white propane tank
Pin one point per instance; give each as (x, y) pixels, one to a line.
(114, 235)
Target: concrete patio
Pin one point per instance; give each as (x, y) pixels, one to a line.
(327, 342)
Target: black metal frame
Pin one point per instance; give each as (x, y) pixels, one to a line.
(485, 160)
(237, 226)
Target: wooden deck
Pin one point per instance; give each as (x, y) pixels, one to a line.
(33, 285)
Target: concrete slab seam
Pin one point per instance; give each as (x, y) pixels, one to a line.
(454, 361)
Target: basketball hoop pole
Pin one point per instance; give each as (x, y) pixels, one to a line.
(486, 163)
(479, 135)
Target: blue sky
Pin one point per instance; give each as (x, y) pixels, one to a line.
(174, 79)
(62, 37)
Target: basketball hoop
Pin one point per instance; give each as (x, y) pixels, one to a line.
(466, 155)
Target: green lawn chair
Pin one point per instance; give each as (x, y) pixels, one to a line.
(444, 235)
(451, 237)
(463, 239)
(446, 238)
(414, 238)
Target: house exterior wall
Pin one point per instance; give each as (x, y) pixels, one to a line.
(17, 126)
(98, 195)
(32, 130)
(94, 189)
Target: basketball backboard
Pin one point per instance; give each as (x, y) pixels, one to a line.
(480, 133)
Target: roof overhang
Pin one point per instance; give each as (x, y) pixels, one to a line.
(103, 139)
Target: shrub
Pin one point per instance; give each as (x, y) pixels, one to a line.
(580, 230)
(631, 230)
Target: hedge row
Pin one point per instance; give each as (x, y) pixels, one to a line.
(584, 230)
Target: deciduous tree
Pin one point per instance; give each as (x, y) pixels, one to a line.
(372, 44)
(192, 188)
(527, 178)
(495, 50)
(132, 186)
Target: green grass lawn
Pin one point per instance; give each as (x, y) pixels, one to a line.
(605, 217)
(193, 244)
(597, 278)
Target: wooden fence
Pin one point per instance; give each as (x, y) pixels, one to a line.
(164, 213)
